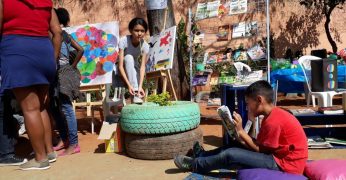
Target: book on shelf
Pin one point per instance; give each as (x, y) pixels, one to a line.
(301, 111)
(331, 110)
(313, 143)
(200, 80)
(336, 141)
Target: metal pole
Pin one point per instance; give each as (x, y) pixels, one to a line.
(190, 50)
(268, 40)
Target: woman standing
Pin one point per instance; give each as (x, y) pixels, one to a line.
(28, 66)
(133, 57)
(67, 124)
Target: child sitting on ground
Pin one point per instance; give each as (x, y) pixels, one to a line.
(281, 143)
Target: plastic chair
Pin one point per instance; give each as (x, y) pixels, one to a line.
(325, 99)
(118, 99)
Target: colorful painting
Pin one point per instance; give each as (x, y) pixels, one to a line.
(222, 34)
(161, 51)
(100, 44)
(256, 53)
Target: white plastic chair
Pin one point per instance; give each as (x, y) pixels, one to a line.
(118, 99)
(241, 67)
(325, 99)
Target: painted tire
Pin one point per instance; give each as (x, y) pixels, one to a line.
(150, 118)
(160, 147)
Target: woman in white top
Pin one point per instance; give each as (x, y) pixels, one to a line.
(133, 57)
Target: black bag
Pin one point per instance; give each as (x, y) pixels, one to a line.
(68, 78)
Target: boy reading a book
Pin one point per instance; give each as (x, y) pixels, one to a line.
(280, 145)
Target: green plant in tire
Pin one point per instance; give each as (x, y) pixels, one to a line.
(161, 99)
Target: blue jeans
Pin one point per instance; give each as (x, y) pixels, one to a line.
(8, 130)
(227, 158)
(65, 118)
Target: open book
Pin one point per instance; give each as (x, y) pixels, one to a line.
(228, 122)
(318, 143)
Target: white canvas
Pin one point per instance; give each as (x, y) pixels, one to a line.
(161, 52)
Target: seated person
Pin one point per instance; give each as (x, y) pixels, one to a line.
(281, 143)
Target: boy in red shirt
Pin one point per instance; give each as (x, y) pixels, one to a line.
(281, 143)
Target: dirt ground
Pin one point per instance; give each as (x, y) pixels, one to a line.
(92, 163)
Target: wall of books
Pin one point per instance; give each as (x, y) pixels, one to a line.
(230, 23)
(232, 31)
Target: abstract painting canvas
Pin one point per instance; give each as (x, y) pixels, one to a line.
(100, 44)
(161, 51)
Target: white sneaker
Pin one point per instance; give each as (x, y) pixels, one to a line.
(22, 129)
(20, 120)
(137, 100)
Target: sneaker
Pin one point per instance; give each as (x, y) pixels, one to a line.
(137, 100)
(20, 120)
(35, 165)
(12, 161)
(197, 150)
(183, 162)
(52, 157)
(22, 129)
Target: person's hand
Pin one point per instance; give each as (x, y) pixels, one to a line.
(141, 92)
(131, 90)
(238, 122)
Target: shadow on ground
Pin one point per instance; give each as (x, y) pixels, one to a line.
(213, 140)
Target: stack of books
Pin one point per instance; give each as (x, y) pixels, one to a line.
(331, 110)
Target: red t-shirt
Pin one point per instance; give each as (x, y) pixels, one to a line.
(26, 17)
(282, 131)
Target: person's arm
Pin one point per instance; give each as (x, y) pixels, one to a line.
(142, 74)
(122, 71)
(56, 32)
(80, 52)
(247, 140)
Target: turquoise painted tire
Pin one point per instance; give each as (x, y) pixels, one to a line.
(150, 118)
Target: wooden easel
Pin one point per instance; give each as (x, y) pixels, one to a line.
(90, 104)
(165, 75)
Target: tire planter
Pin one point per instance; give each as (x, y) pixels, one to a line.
(150, 118)
(160, 147)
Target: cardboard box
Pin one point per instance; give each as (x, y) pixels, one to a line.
(111, 134)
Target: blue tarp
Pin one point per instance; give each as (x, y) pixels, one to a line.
(292, 80)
